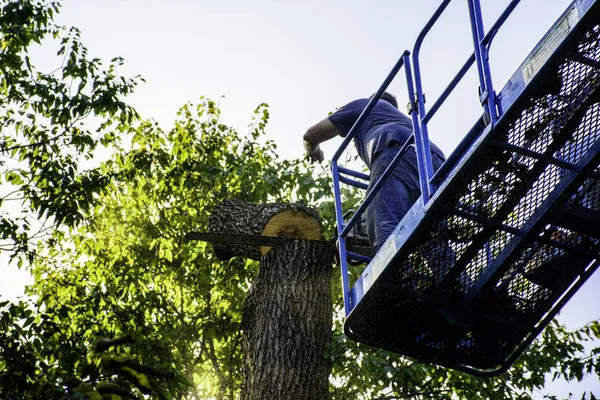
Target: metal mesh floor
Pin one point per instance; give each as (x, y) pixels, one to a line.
(482, 279)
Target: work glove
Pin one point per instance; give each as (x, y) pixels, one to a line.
(315, 156)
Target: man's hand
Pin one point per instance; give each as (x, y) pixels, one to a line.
(315, 155)
(316, 135)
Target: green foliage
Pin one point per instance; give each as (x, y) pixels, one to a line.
(51, 124)
(127, 270)
(41, 358)
(361, 372)
(124, 306)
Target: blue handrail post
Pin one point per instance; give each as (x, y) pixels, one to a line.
(418, 108)
(341, 241)
(343, 228)
(420, 118)
(487, 95)
(423, 149)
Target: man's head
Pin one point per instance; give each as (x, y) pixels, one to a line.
(390, 98)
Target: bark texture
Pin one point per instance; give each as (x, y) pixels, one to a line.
(287, 324)
(275, 219)
(287, 315)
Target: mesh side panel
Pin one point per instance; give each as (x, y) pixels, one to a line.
(583, 137)
(490, 189)
(588, 194)
(542, 187)
(560, 122)
(484, 274)
(416, 273)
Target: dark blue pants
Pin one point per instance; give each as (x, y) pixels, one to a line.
(400, 191)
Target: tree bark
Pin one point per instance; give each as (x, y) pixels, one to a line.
(287, 314)
(287, 324)
(275, 219)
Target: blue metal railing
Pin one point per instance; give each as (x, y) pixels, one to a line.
(485, 79)
(342, 228)
(420, 118)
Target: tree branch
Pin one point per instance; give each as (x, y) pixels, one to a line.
(210, 350)
(50, 140)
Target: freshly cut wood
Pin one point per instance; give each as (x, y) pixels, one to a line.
(287, 313)
(275, 219)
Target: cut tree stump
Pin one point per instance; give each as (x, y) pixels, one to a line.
(287, 324)
(275, 219)
(287, 313)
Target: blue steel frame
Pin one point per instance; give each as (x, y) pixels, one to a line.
(420, 118)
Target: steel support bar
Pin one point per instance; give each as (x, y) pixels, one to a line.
(341, 241)
(582, 59)
(352, 182)
(359, 257)
(353, 173)
(488, 96)
(422, 146)
(488, 222)
(532, 154)
(579, 219)
(570, 248)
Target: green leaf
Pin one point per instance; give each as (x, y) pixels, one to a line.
(595, 326)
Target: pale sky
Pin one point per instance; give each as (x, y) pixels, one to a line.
(303, 58)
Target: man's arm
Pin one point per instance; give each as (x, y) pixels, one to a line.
(317, 134)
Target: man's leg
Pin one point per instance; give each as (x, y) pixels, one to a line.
(394, 198)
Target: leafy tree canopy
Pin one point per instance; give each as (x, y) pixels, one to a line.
(122, 304)
(50, 123)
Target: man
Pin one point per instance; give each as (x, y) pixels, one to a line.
(377, 141)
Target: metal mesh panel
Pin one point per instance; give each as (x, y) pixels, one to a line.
(416, 273)
(489, 190)
(485, 268)
(588, 194)
(534, 198)
(485, 256)
(507, 188)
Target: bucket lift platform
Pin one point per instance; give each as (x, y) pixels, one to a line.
(507, 230)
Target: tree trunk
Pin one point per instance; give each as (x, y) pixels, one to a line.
(287, 316)
(276, 219)
(287, 324)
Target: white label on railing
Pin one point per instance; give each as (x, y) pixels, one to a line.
(367, 279)
(379, 262)
(545, 49)
(385, 255)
